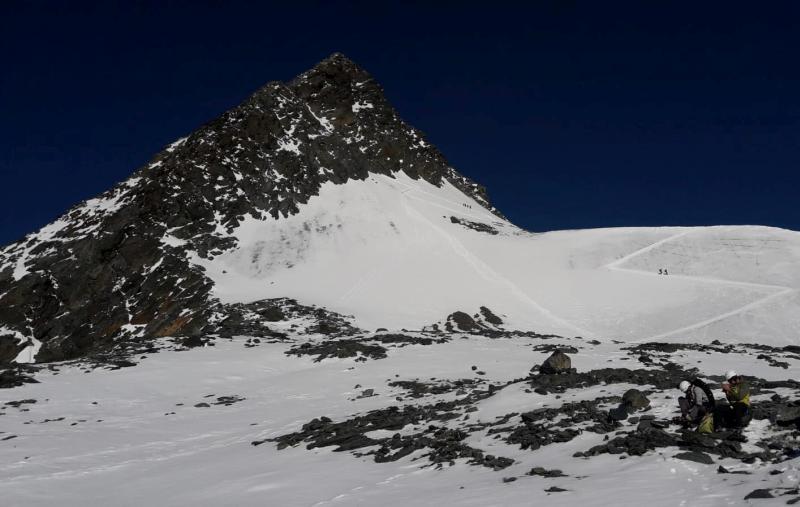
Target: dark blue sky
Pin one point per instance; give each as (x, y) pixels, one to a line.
(573, 114)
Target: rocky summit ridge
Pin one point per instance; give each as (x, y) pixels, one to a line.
(113, 270)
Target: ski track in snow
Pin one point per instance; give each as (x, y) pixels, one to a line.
(491, 275)
(718, 318)
(617, 266)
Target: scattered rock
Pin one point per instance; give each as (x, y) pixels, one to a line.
(542, 472)
(418, 389)
(759, 493)
(539, 429)
(403, 340)
(338, 349)
(16, 376)
(116, 364)
(19, 403)
(634, 444)
(552, 347)
(696, 456)
(228, 400)
(191, 342)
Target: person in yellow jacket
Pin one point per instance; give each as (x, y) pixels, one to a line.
(737, 391)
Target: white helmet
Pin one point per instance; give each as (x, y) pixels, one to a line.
(730, 374)
(684, 386)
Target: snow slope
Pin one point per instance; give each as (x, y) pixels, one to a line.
(134, 437)
(387, 251)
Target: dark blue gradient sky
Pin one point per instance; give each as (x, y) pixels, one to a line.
(573, 114)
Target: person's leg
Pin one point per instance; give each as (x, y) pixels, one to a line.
(684, 404)
(740, 415)
(722, 416)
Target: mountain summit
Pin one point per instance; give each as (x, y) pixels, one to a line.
(104, 271)
(315, 192)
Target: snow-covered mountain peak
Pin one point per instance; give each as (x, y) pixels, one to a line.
(116, 267)
(315, 189)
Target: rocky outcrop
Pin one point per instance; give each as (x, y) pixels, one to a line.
(116, 268)
(10, 347)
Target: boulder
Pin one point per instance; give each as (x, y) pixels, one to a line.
(634, 399)
(787, 415)
(618, 414)
(693, 438)
(759, 493)
(558, 362)
(696, 456)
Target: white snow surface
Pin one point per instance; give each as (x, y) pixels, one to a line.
(133, 436)
(385, 251)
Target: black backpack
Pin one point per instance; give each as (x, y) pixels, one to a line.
(702, 385)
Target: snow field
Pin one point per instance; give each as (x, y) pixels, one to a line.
(386, 251)
(133, 444)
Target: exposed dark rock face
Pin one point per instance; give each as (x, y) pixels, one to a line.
(16, 375)
(490, 317)
(475, 226)
(115, 268)
(340, 349)
(254, 319)
(462, 322)
(10, 346)
(484, 322)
